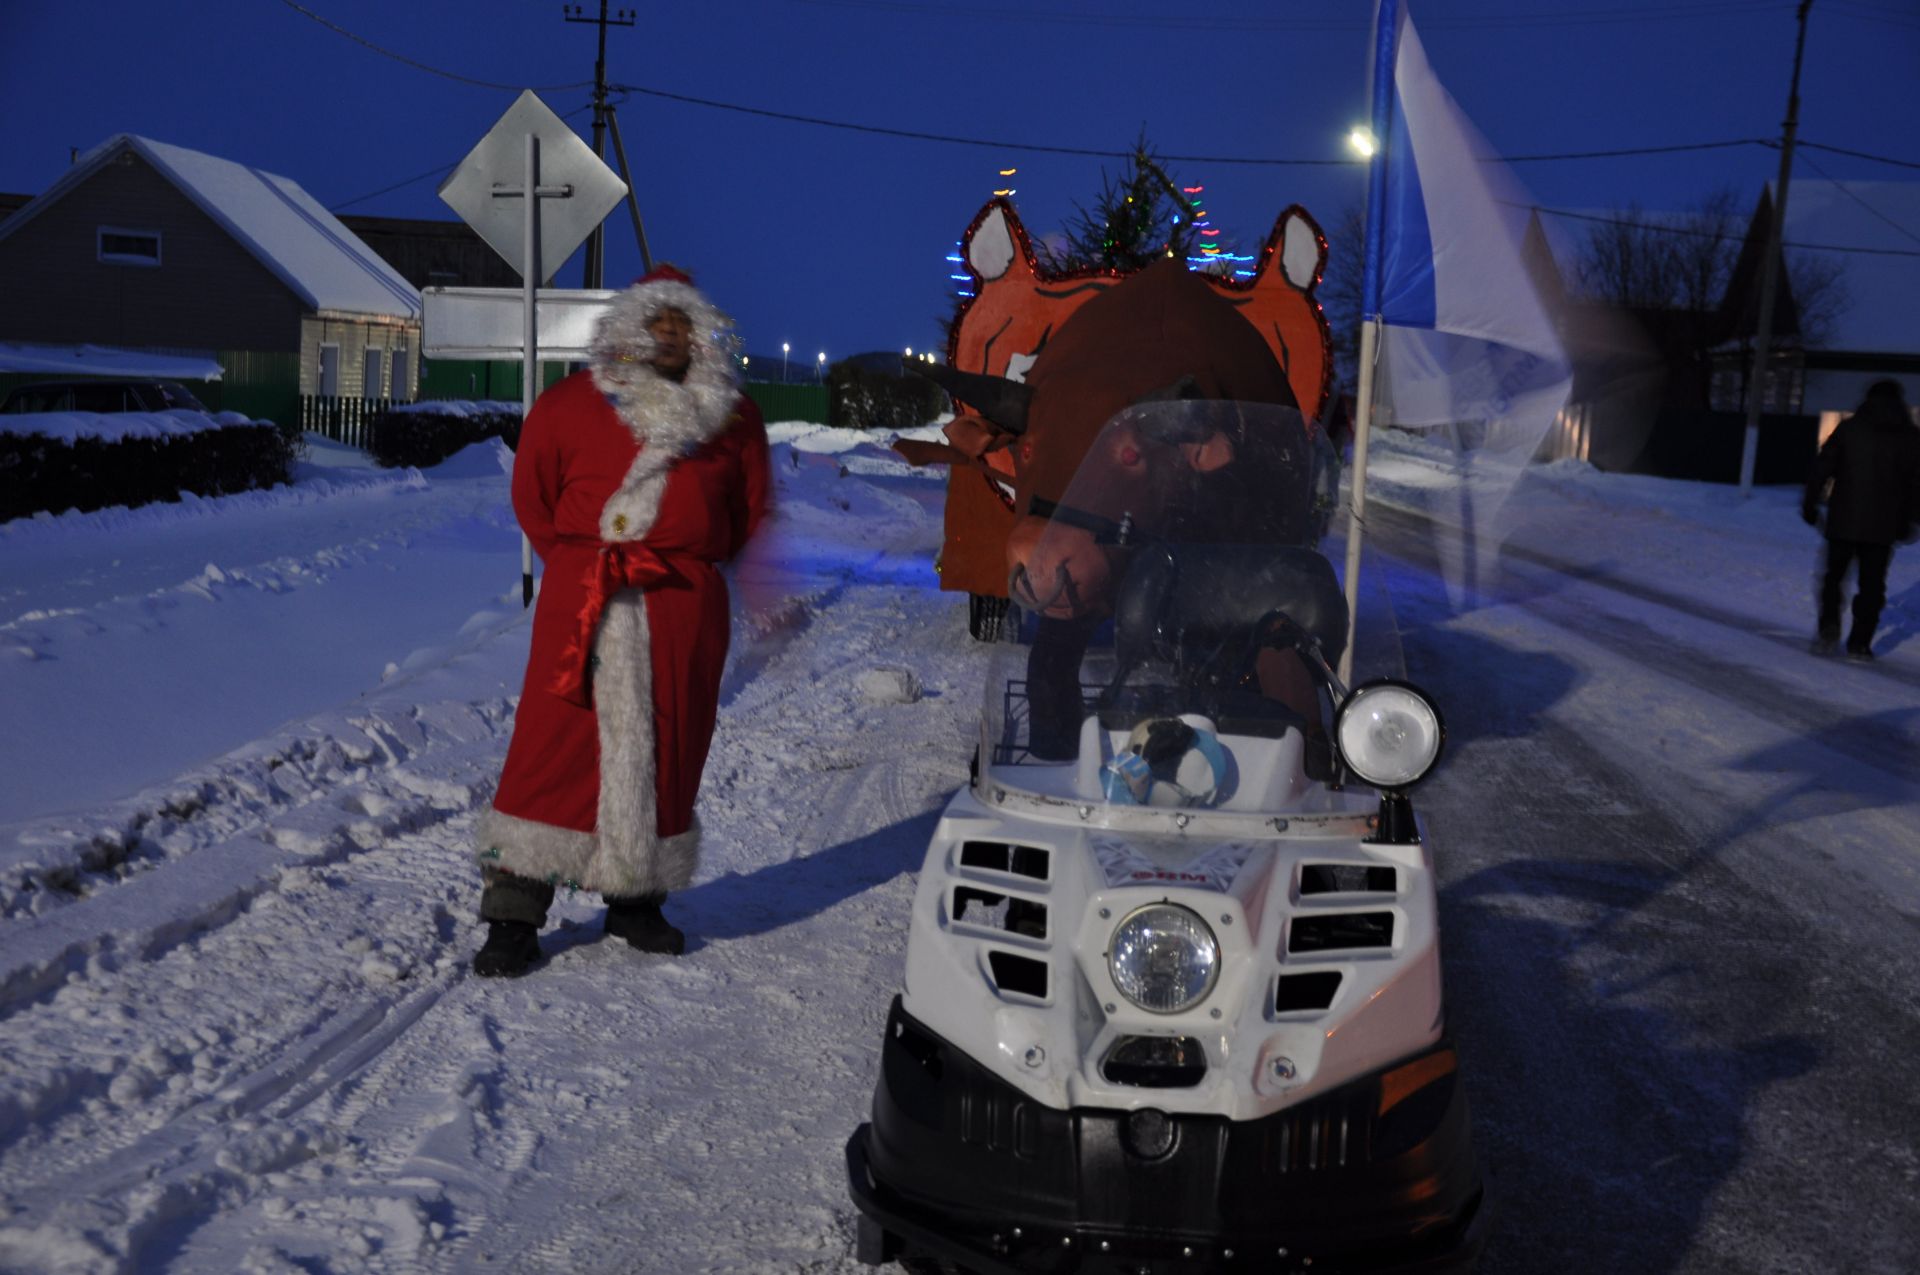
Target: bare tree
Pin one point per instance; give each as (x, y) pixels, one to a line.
(1819, 284)
(1339, 292)
(1685, 261)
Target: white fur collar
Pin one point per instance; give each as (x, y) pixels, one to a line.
(667, 418)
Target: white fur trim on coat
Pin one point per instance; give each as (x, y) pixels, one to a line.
(625, 854)
(527, 848)
(668, 419)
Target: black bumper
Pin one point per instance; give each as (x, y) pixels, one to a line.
(960, 1164)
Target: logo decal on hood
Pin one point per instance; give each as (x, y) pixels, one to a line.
(1170, 861)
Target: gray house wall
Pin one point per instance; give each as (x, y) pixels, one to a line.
(207, 292)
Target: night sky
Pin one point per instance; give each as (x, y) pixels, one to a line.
(835, 239)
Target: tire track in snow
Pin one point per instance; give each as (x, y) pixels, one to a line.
(312, 1064)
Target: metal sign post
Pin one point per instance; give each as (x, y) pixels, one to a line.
(531, 139)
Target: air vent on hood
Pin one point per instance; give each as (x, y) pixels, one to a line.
(1340, 930)
(1021, 975)
(1306, 991)
(1346, 878)
(1000, 856)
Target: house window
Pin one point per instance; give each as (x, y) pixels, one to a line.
(329, 371)
(370, 374)
(401, 387)
(122, 247)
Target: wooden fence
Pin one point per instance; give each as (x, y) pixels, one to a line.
(345, 420)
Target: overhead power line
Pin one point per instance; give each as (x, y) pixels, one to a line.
(1850, 194)
(1634, 150)
(955, 140)
(1657, 228)
(417, 177)
(951, 139)
(1841, 150)
(1580, 17)
(335, 27)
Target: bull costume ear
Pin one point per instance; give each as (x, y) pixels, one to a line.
(1001, 401)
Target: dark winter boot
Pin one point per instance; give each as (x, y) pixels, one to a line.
(511, 947)
(638, 920)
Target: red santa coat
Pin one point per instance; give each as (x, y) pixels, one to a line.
(632, 489)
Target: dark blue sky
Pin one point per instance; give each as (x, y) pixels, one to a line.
(834, 240)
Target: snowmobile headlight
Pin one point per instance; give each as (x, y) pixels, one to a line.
(1389, 733)
(1163, 958)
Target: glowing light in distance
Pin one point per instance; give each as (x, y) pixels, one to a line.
(1008, 172)
(1361, 140)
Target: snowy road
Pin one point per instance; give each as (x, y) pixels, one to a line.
(1680, 900)
(1681, 895)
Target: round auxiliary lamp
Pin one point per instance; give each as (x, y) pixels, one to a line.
(1390, 736)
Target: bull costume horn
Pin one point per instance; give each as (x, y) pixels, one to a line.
(1000, 400)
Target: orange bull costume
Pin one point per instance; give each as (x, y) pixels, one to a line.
(1011, 328)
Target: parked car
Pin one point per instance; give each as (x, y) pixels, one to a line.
(100, 396)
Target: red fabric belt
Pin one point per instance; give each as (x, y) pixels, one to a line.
(627, 565)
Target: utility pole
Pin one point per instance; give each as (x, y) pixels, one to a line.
(1770, 266)
(596, 253)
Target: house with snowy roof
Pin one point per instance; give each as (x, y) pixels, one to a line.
(149, 246)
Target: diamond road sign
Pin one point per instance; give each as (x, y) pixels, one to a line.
(575, 188)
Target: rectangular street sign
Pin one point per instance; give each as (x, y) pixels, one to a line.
(488, 323)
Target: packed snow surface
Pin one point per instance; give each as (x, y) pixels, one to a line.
(246, 740)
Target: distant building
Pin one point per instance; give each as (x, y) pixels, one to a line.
(145, 245)
(433, 254)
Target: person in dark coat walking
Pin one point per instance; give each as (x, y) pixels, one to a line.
(1868, 476)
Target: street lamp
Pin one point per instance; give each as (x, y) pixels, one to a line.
(820, 366)
(785, 349)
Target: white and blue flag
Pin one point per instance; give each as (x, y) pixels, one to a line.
(1466, 341)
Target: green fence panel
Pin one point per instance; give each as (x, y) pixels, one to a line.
(789, 402)
(480, 379)
(263, 384)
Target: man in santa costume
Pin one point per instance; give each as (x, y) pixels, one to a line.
(634, 479)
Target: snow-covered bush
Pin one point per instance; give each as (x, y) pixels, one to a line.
(55, 461)
(424, 434)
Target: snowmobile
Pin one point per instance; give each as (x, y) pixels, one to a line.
(1172, 999)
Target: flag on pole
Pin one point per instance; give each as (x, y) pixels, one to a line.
(1466, 339)
(1453, 329)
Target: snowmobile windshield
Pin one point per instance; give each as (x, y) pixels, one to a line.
(1165, 600)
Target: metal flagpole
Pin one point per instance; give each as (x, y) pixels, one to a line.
(1357, 500)
(1386, 19)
